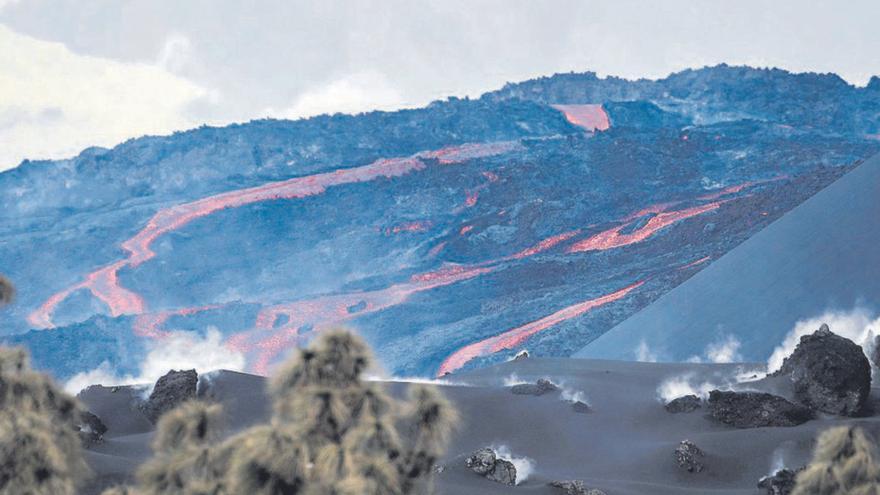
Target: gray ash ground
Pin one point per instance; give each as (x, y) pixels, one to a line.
(624, 446)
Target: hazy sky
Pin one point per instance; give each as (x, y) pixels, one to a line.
(76, 73)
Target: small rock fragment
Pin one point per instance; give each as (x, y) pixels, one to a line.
(779, 483)
(688, 455)
(541, 387)
(575, 487)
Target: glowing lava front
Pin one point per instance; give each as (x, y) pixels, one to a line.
(590, 117)
(516, 336)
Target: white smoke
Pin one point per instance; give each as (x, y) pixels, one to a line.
(512, 379)
(572, 395)
(644, 353)
(524, 466)
(723, 350)
(686, 384)
(418, 380)
(518, 355)
(180, 350)
(856, 325)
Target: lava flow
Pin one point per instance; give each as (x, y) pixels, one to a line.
(285, 323)
(516, 336)
(590, 117)
(104, 283)
(614, 238)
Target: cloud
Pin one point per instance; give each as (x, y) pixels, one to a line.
(56, 103)
(857, 325)
(180, 350)
(355, 93)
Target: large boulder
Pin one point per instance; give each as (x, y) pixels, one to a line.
(779, 483)
(575, 487)
(830, 373)
(689, 457)
(481, 461)
(91, 428)
(684, 404)
(755, 409)
(504, 473)
(486, 462)
(171, 390)
(540, 387)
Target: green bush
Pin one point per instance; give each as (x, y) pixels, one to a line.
(330, 433)
(845, 462)
(39, 443)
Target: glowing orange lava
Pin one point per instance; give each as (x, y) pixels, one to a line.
(104, 284)
(516, 336)
(590, 117)
(613, 238)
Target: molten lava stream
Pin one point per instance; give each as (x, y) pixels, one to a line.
(516, 336)
(104, 283)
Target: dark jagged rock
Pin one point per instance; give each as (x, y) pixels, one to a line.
(170, 391)
(485, 462)
(581, 407)
(91, 428)
(685, 404)
(755, 409)
(575, 487)
(779, 483)
(830, 373)
(688, 457)
(481, 461)
(504, 472)
(541, 387)
(521, 355)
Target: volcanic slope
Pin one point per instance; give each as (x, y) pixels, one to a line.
(821, 256)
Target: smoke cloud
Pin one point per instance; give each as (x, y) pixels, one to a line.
(857, 325)
(180, 350)
(524, 465)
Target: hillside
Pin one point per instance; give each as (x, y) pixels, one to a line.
(538, 216)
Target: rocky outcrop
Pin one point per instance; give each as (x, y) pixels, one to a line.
(523, 354)
(575, 487)
(170, 391)
(685, 404)
(485, 462)
(540, 387)
(504, 473)
(580, 407)
(755, 409)
(779, 483)
(830, 373)
(689, 457)
(91, 428)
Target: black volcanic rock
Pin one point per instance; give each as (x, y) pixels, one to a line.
(575, 487)
(755, 409)
(541, 387)
(581, 407)
(830, 373)
(91, 428)
(485, 462)
(172, 389)
(688, 457)
(482, 461)
(504, 472)
(684, 404)
(779, 483)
